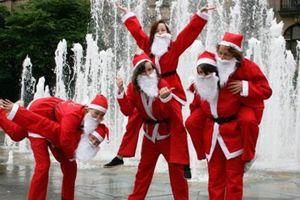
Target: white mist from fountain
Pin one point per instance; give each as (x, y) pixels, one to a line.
(27, 92)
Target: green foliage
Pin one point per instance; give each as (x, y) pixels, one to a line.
(35, 30)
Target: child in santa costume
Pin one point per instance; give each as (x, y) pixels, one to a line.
(165, 54)
(58, 125)
(151, 97)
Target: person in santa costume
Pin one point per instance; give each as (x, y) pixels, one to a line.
(246, 80)
(228, 79)
(165, 54)
(152, 98)
(218, 137)
(58, 125)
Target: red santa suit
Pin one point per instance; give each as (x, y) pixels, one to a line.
(160, 123)
(223, 146)
(167, 66)
(49, 123)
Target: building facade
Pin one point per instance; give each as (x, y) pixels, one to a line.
(12, 4)
(288, 11)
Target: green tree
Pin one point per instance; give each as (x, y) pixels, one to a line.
(35, 30)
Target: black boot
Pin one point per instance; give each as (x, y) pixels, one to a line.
(114, 162)
(187, 172)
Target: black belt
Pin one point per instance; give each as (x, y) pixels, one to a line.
(222, 120)
(150, 121)
(168, 74)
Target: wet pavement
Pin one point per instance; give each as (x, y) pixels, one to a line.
(95, 182)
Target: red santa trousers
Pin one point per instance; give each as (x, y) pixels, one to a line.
(39, 181)
(225, 177)
(149, 155)
(14, 131)
(194, 125)
(248, 120)
(130, 137)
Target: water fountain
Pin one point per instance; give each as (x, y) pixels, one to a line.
(96, 68)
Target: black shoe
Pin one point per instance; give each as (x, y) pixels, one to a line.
(187, 172)
(114, 162)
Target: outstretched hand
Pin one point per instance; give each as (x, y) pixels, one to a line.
(6, 105)
(120, 84)
(165, 92)
(122, 8)
(205, 8)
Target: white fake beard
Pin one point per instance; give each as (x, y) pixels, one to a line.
(207, 86)
(161, 44)
(89, 123)
(85, 150)
(148, 84)
(225, 69)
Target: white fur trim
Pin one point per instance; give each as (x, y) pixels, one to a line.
(229, 44)
(245, 90)
(96, 134)
(225, 150)
(13, 112)
(206, 61)
(182, 102)
(120, 95)
(203, 15)
(127, 15)
(97, 107)
(148, 106)
(167, 99)
(213, 141)
(141, 62)
(35, 135)
(157, 64)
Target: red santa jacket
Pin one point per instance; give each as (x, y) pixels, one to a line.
(226, 134)
(258, 85)
(161, 120)
(167, 64)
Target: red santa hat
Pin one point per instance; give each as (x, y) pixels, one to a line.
(232, 40)
(139, 58)
(100, 132)
(99, 103)
(207, 58)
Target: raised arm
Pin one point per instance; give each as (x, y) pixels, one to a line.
(190, 33)
(134, 27)
(125, 100)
